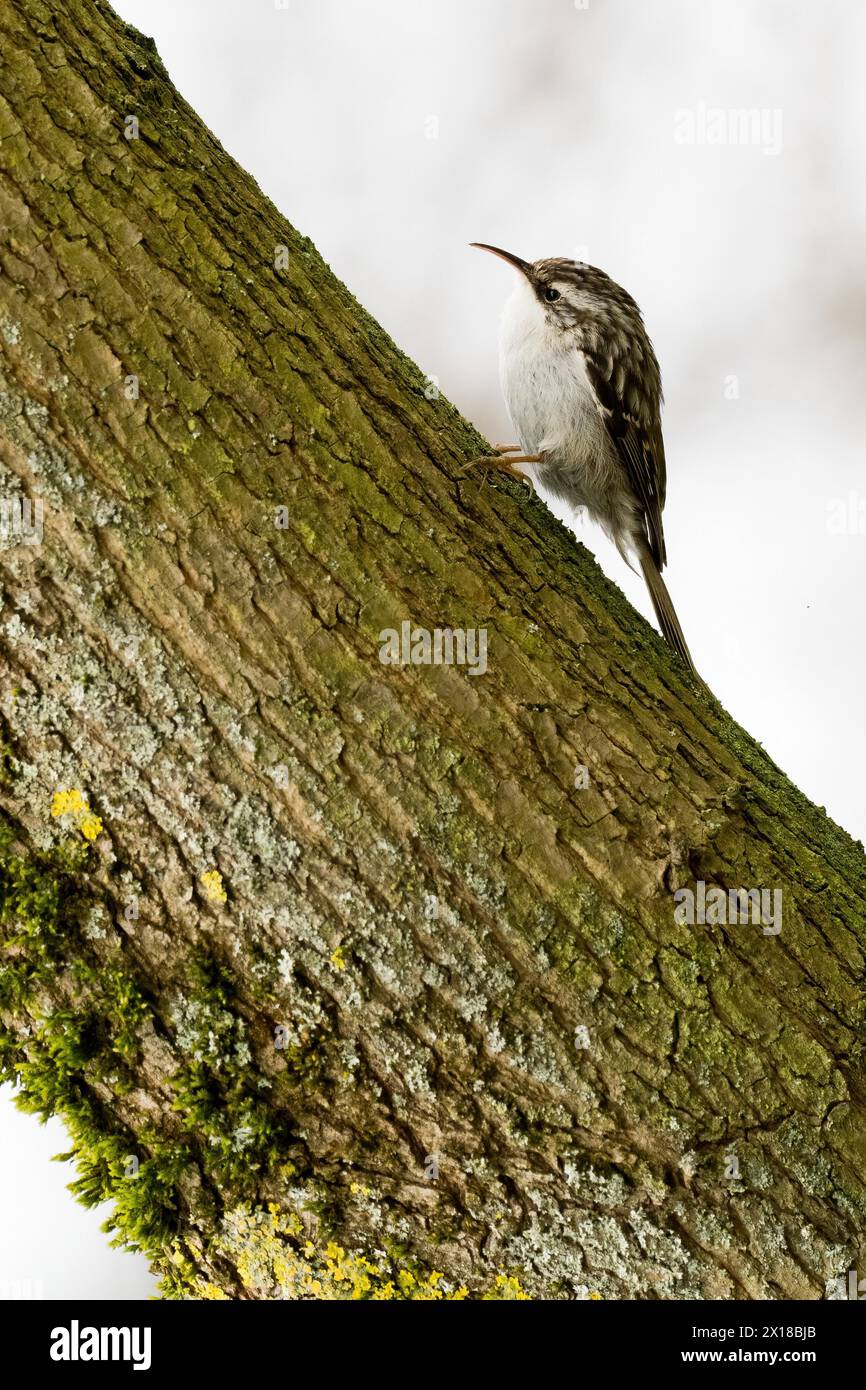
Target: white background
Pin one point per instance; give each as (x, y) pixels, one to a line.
(393, 132)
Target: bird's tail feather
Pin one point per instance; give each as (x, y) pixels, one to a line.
(664, 608)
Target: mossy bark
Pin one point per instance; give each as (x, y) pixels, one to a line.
(342, 984)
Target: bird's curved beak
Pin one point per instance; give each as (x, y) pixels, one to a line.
(505, 256)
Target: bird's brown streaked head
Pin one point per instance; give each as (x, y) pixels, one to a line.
(569, 291)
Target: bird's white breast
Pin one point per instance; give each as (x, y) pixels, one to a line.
(546, 388)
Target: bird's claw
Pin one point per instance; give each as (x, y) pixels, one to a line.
(505, 465)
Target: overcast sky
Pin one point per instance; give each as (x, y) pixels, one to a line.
(393, 132)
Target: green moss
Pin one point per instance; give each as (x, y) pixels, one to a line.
(239, 1137)
(53, 1053)
(40, 901)
(218, 1093)
(143, 1190)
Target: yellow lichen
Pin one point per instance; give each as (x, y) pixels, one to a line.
(68, 802)
(72, 802)
(275, 1258)
(338, 960)
(90, 827)
(210, 1291)
(507, 1289)
(212, 883)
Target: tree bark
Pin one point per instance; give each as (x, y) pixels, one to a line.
(346, 979)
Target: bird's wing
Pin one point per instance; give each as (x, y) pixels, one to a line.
(630, 411)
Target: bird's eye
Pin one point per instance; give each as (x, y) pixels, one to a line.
(550, 294)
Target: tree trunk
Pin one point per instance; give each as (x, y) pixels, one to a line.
(357, 979)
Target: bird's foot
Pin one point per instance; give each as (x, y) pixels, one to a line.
(506, 465)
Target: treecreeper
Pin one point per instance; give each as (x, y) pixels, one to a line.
(583, 389)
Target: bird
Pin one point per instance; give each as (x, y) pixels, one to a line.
(582, 386)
